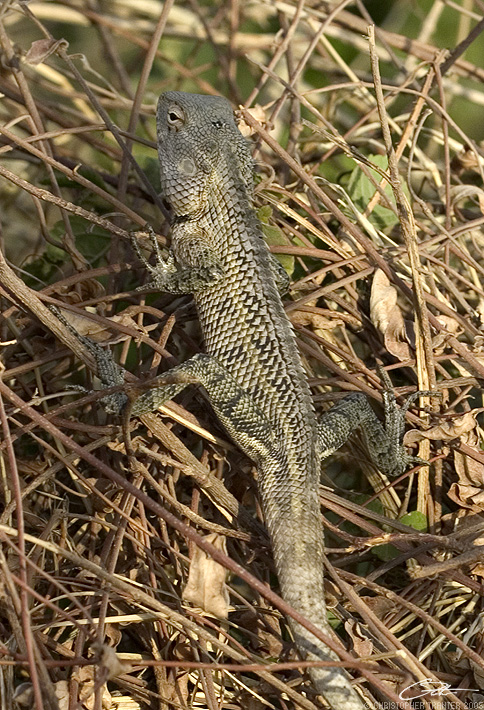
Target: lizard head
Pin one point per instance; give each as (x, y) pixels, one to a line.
(199, 145)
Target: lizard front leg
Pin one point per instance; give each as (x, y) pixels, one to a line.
(192, 266)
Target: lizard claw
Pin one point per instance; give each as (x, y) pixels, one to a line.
(159, 273)
(395, 427)
(162, 268)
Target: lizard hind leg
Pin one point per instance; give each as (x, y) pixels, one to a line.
(383, 441)
(235, 408)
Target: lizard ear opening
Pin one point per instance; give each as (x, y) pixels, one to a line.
(175, 116)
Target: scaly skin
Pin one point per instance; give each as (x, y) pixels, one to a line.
(252, 371)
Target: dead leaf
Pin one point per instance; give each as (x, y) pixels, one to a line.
(23, 696)
(256, 112)
(362, 644)
(380, 606)
(249, 702)
(383, 300)
(61, 689)
(113, 633)
(387, 317)
(468, 491)
(264, 629)
(315, 320)
(108, 660)
(465, 160)
(469, 529)
(467, 496)
(446, 431)
(98, 331)
(85, 676)
(468, 469)
(41, 49)
(473, 638)
(450, 324)
(206, 586)
(450, 327)
(463, 192)
(477, 570)
(478, 675)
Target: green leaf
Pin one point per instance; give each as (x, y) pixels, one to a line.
(416, 520)
(46, 267)
(275, 237)
(361, 190)
(85, 171)
(91, 239)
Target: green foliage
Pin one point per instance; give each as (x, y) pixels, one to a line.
(416, 520)
(91, 241)
(361, 189)
(86, 172)
(275, 237)
(46, 267)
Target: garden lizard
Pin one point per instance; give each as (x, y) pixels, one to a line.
(251, 369)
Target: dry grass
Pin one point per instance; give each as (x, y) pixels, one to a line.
(383, 245)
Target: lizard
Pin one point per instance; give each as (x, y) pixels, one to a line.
(251, 369)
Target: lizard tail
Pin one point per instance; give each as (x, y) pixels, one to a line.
(296, 532)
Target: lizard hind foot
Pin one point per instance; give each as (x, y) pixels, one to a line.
(395, 422)
(396, 460)
(384, 440)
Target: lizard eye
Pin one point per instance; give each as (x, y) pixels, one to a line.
(175, 116)
(218, 123)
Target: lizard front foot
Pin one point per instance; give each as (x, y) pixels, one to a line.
(163, 268)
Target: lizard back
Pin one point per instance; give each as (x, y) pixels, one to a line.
(242, 317)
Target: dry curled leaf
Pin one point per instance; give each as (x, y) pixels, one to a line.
(88, 681)
(97, 331)
(23, 696)
(256, 112)
(446, 431)
(363, 645)
(469, 529)
(387, 317)
(450, 326)
(315, 320)
(466, 159)
(478, 677)
(464, 192)
(61, 689)
(108, 660)
(467, 496)
(206, 586)
(477, 570)
(379, 605)
(41, 49)
(468, 491)
(249, 702)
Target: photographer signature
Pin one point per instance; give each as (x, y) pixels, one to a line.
(428, 686)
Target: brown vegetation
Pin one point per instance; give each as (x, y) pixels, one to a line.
(370, 186)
